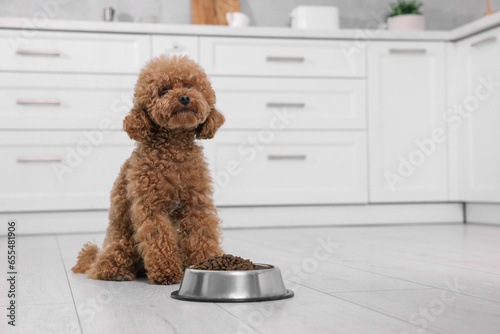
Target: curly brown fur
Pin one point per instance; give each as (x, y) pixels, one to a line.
(85, 258)
(162, 215)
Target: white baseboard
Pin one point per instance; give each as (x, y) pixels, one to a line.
(484, 213)
(245, 217)
(342, 215)
(56, 222)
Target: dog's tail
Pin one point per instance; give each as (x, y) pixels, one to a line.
(86, 257)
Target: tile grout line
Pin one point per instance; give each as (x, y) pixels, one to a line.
(69, 283)
(343, 265)
(443, 265)
(424, 284)
(236, 317)
(336, 292)
(429, 287)
(362, 306)
(362, 270)
(375, 273)
(384, 290)
(169, 324)
(395, 317)
(405, 258)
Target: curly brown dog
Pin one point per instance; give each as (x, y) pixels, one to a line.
(162, 216)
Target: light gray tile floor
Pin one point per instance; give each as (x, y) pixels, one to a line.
(378, 279)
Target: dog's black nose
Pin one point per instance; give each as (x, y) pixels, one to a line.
(184, 99)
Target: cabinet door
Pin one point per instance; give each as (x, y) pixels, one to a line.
(479, 127)
(60, 170)
(285, 168)
(175, 46)
(407, 132)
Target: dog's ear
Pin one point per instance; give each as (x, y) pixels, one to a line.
(207, 129)
(138, 125)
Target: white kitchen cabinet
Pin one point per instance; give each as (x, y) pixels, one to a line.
(73, 52)
(280, 57)
(307, 104)
(175, 45)
(64, 101)
(285, 168)
(478, 125)
(364, 114)
(407, 131)
(48, 170)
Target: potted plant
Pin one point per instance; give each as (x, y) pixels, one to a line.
(406, 15)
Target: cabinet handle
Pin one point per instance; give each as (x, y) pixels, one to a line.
(408, 51)
(488, 40)
(286, 59)
(50, 53)
(39, 159)
(39, 101)
(285, 105)
(176, 47)
(286, 157)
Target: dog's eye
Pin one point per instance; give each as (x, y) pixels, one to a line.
(189, 87)
(164, 91)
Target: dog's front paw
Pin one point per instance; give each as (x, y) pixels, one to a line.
(167, 276)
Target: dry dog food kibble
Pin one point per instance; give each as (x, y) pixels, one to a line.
(227, 262)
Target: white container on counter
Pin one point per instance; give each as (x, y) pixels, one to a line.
(315, 17)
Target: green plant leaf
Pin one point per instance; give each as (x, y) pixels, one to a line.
(404, 7)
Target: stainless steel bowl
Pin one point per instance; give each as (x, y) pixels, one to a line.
(233, 286)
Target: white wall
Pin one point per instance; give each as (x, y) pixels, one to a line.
(441, 14)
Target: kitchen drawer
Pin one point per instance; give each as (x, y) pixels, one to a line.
(75, 170)
(64, 101)
(73, 52)
(291, 103)
(285, 168)
(280, 57)
(175, 45)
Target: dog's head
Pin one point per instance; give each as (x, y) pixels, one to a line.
(172, 93)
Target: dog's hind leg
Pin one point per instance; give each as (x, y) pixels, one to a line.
(118, 258)
(116, 262)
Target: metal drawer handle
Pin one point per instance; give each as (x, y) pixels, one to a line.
(39, 159)
(408, 51)
(50, 53)
(176, 47)
(286, 59)
(39, 101)
(488, 40)
(286, 157)
(286, 105)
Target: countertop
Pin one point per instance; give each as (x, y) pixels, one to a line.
(270, 32)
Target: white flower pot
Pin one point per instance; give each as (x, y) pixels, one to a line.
(406, 22)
